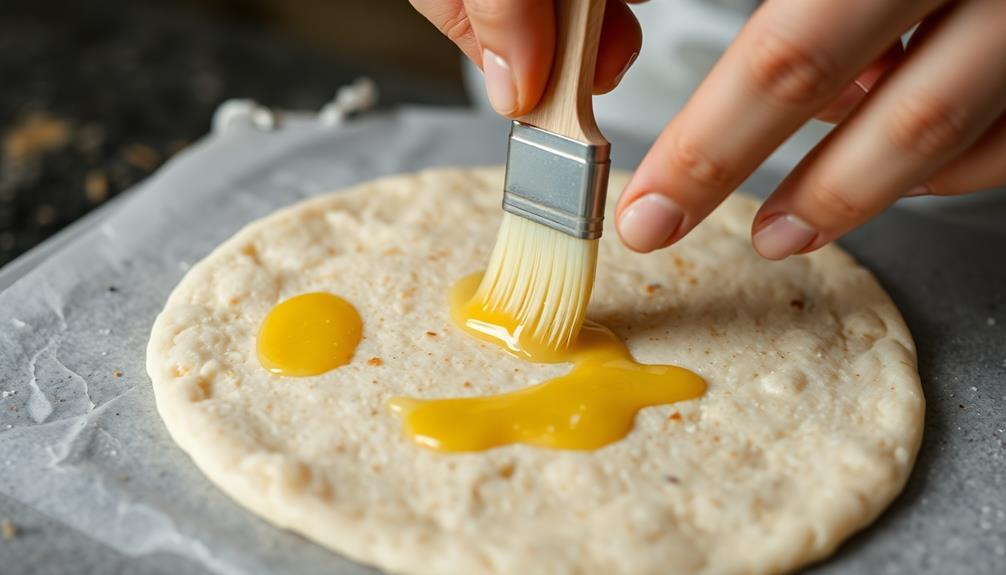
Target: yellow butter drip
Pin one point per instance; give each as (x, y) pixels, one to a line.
(309, 334)
(593, 405)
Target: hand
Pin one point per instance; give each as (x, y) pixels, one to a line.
(513, 41)
(928, 119)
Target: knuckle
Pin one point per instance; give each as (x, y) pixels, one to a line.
(457, 26)
(831, 199)
(690, 159)
(789, 71)
(504, 12)
(490, 11)
(926, 126)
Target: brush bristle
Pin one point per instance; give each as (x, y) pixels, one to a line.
(540, 277)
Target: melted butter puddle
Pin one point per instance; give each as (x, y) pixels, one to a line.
(309, 334)
(593, 405)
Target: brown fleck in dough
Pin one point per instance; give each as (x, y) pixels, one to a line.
(507, 470)
(375, 361)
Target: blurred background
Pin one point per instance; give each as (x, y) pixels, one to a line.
(97, 94)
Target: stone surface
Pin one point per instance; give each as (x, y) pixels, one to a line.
(104, 91)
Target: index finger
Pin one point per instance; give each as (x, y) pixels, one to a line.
(787, 63)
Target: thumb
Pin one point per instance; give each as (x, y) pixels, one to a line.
(517, 42)
(513, 41)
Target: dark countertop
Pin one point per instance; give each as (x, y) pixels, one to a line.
(97, 94)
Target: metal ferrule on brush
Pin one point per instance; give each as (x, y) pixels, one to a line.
(556, 181)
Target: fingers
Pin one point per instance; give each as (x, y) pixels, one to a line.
(854, 93)
(983, 166)
(450, 17)
(935, 105)
(513, 41)
(621, 39)
(517, 38)
(789, 61)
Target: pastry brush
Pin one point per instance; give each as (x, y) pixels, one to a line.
(541, 270)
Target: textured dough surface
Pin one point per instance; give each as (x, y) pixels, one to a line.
(808, 430)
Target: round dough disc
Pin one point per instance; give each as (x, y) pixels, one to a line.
(808, 430)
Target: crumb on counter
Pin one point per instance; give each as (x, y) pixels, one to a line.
(117, 373)
(375, 361)
(44, 214)
(7, 529)
(96, 186)
(142, 157)
(431, 333)
(35, 135)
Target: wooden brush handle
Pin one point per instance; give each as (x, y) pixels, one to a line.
(565, 107)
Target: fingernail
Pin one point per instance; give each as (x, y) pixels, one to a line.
(628, 64)
(922, 190)
(499, 83)
(783, 237)
(869, 78)
(649, 221)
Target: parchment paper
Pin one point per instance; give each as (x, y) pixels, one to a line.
(84, 452)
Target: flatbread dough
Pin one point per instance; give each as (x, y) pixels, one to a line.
(809, 428)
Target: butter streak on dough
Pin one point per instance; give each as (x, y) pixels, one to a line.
(808, 429)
